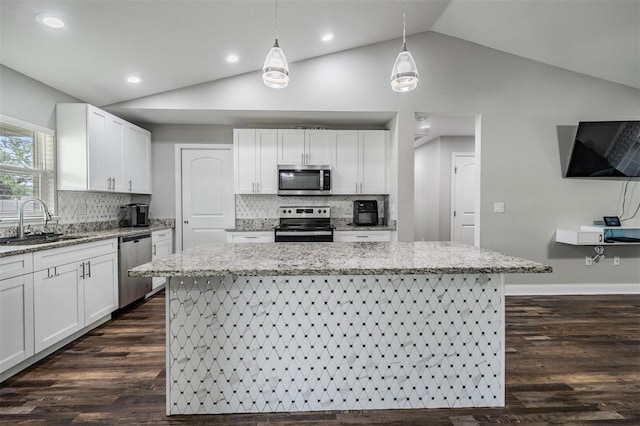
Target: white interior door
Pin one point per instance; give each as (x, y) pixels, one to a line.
(463, 198)
(208, 202)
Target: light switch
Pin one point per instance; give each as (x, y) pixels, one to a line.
(498, 207)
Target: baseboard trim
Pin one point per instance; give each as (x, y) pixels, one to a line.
(570, 289)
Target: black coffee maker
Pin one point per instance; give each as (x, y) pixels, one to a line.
(365, 212)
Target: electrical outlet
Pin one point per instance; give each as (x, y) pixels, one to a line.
(588, 261)
(498, 207)
(616, 260)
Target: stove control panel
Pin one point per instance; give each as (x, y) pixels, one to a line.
(304, 212)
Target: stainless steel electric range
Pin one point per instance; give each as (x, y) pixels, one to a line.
(304, 224)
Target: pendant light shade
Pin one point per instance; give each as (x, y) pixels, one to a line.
(404, 75)
(275, 72)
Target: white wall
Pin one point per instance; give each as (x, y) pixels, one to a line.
(521, 103)
(432, 186)
(164, 138)
(29, 100)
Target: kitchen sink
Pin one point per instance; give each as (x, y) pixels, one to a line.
(30, 240)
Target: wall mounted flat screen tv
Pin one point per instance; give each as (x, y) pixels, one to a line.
(605, 149)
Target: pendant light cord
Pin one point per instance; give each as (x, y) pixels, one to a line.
(276, 20)
(404, 22)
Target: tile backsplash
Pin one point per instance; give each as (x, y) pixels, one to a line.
(266, 206)
(82, 206)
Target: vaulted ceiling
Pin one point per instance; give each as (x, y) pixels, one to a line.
(177, 43)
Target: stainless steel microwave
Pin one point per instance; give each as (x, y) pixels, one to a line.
(304, 180)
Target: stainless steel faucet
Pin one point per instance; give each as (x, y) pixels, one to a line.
(47, 215)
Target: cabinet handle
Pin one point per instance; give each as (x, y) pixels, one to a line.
(55, 271)
(251, 238)
(114, 184)
(307, 158)
(302, 158)
(362, 236)
(257, 187)
(83, 271)
(253, 187)
(154, 249)
(130, 185)
(186, 222)
(89, 269)
(361, 187)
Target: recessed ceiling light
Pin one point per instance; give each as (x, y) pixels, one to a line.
(328, 36)
(134, 80)
(50, 20)
(232, 58)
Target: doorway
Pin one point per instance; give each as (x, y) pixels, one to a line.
(205, 202)
(437, 138)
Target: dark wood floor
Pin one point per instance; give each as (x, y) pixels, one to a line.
(570, 360)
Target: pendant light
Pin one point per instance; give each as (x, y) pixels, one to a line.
(404, 75)
(275, 72)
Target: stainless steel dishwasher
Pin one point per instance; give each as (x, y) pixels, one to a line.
(133, 251)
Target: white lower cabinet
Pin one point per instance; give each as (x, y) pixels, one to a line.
(100, 287)
(161, 246)
(361, 236)
(16, 310)
(74, 287)
(58, 304)
(251, 237)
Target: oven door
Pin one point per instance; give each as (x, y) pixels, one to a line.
(303, 236)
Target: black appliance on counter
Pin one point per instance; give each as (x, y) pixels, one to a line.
(365, 212)
(304, 224)
(134, 214)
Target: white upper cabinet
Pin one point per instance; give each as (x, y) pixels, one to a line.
(374, 170)
(361, 162)
(304, 147)
(345, 176)
(359, 159)
(137, 160)
(98, 151)
(320, 146)
(255, 153)
(291, 146)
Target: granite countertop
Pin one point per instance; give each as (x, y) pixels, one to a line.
(371, 258)
(84, 237)
(339, 224)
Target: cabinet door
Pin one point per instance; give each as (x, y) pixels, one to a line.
(115, 153)
(57, 304)
(98, 150)
(291, 147)
(16, 320)
(100, 279)
(162, 246)
(244, 156)
(137, 160)
(320, 147)
(267, 161)
(373, 160)
(345, 178)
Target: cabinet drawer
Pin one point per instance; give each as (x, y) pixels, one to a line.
(157, 236)
(250, 237)
(361, 236)
(75, 253)
(14, 266)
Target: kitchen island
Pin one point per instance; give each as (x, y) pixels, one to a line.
(334, 326)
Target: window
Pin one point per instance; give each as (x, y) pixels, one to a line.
(27, 168)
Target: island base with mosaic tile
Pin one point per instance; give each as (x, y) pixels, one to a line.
(242, 344)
